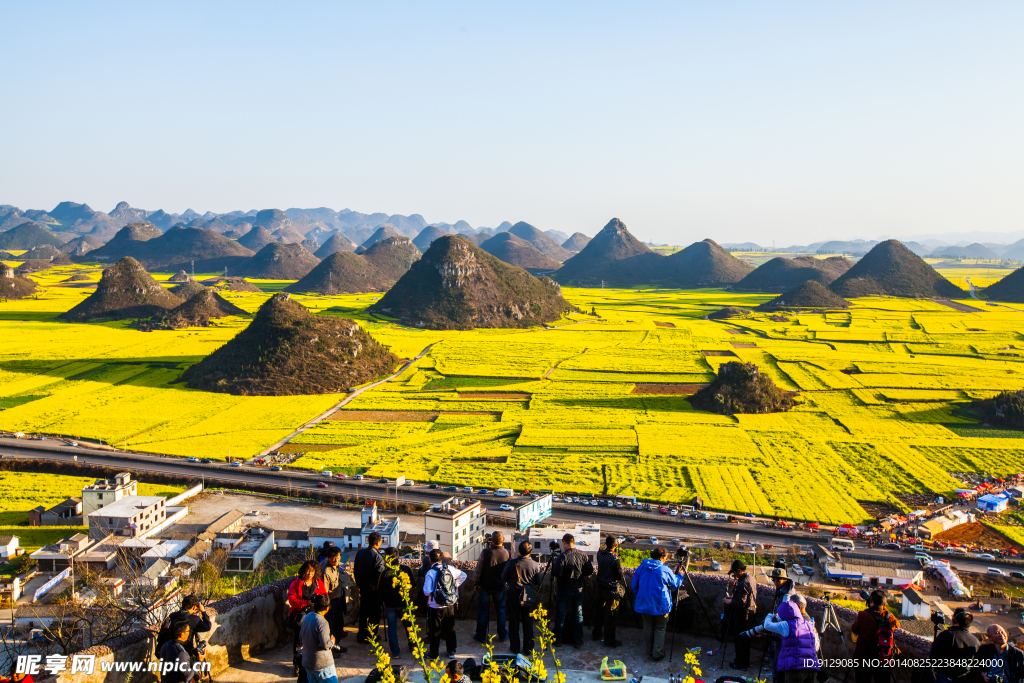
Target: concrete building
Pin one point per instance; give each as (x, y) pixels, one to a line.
(8, 546)
(227, 523)
(106, 491)
(458, 525)
(100, 556)
(57, 557)
(10, 589)
(195, 555)
(347, 538)
(250, 553)
(292, 539)
(871, 570)
(66, 513)
(587, 536)
(916, 605)
(131, 516)
(387, 527)
(165, 550)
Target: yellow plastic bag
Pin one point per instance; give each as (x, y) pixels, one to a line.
(615, 672)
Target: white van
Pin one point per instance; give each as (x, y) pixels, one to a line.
(843, 545)
(504, 493)
(993, 570)
(956, 551)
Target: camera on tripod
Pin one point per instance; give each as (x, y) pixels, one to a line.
(554, 548)
(756, 631)
(938, 619)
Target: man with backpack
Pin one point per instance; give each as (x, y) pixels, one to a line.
(367, 568)
(570, 568)
(956, 649)
(490, 588)
(441, 586)
(872, 631)
(522, 576)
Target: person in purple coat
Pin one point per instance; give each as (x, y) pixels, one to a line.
(798, 656)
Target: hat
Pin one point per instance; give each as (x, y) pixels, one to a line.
(328, 544)
(737, 566)
(431, 545)
(778, 573)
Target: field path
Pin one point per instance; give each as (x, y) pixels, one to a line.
(344, 402)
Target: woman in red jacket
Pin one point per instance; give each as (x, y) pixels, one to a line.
(300, 600)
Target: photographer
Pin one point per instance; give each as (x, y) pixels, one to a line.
(174, 651)
(955, 645)
(740, 609)
(652, 585)
(870, 631)
(193, 613)
(317, 643)
(611, 588)
(367, 568)
(490, 588)
(570, 568)
(517, 575)
(798, 654)
(1007, 662)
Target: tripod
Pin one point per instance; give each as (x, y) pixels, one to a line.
(830, 622)
(683, 566)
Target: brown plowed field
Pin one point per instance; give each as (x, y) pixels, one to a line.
(977, 534)
(384, 416)
(663, 324)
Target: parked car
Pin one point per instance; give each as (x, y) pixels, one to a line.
(715, 566)
(193, 459)
(278, 468)
(721, 518)
(234, 464)
(618, 505)
(654, 540)
(891, 546)
(321, 485)
(631, 539)
(506, 507)
(205, 460)
(985, 556)
(357, 476)
(673, 512)
(686, 513)
(451, 488)
(483, 492)
(663, 510)
(993, 570)
(796, 570)
(1016, 574)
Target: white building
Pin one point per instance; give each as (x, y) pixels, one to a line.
(917, 605)
(387, 527)
(166, 550)
(8, 547)
(106, 491)
(347, 538)
(458, 525)
(131, 516)
(587, 536)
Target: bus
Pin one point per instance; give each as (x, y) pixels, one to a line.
(843, 545)
(504, 493)
(626, 499)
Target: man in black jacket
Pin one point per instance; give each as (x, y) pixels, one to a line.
(609, 581)
(740, 610)
(490, 588)
(1005, 661)
(518, 574)
(390, 589)
(367, 568)
(192, 612)
(175, 663)
(569, 569)
(957, 647)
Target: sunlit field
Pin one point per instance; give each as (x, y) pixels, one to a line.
(593, 404)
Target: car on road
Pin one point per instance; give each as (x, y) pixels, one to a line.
(631, 539)
(451, 488)
(234, 464)
(72, 443)
(433, 486)
(321, 485)
(993, 570)
(985, 556)
(357, 476)
(673, 512)
(749, 514)
(341, 475)
(193, 459)
(686, 513)
(715, 566)
(677, 541)
(382, 480)
(483, 492)
(276, 468)
(409, 482)
(890, 546)
(721, 518)
(467, 489)
(620, 539)
(654, 540)
(1016, 574)
(506, 507)
(663, 510)
(205, 460)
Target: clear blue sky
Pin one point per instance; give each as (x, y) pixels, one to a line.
(735, 120)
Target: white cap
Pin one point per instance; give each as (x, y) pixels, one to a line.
(431, 545)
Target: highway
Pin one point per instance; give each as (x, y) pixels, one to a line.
(641, 525)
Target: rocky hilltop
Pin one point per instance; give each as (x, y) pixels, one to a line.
(575, 243)
(458, 286)
(613, 256)
(890, 269)
(375, 270)
(1010, 288)
(257, 238)
(176, 249)
(288, 351)
(427, 236)
(14, 286)
(703, 264)
(782, 274)
(335, 243)
(125, 290)
(741, 388)
(28, 235)
(540, 240)
(200, 308)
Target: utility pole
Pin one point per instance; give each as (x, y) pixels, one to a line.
(193, 270)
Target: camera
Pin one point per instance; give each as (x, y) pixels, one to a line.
(756, 631)
(200, 647)
(938, 619)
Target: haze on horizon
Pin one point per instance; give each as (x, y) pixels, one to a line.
(788, 122)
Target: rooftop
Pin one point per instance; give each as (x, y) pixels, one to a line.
(224, 521)
(452, 507)
(129, 506)
(255, 538)
(333, 532)
(167, 549)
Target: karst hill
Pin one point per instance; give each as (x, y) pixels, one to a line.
(890, 269)
(810, 294)
(288, 351)
(375, 270)
(783, 274)
(518, 252)
(458, 286)
(125, 290)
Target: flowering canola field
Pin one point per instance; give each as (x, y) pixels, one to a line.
(591, 405)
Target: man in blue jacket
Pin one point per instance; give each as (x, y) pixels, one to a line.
(652, 585)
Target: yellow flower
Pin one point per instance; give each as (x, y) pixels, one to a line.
(696, 671)
(559, 677)
(688, 679)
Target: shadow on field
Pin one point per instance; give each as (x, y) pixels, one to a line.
(113, 371)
